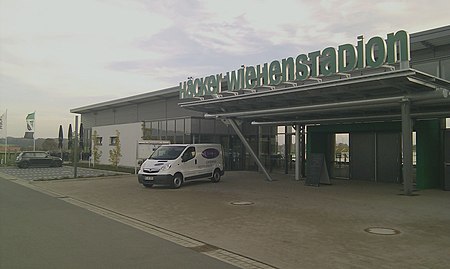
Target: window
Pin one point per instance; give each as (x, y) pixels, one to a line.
(188, 126)
(189, 154)
(207, 126)
(147, 131)
(40, 154)
(99, 141)
(155, 130)
(195, 124)
(167, 153)
(171, 130)
(163, 130)
(113, 140)
(179, 134)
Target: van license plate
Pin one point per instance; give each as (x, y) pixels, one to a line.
(149, 178)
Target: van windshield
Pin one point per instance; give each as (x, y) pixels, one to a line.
(167, 153)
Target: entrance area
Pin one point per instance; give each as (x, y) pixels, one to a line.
(341, 167)
(447, 160)
(366, 152)
(375, 156)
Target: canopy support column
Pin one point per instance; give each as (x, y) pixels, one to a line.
(298, 165)
(260, 144)
(407, 147)
(249, 148)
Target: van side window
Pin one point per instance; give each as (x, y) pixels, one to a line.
(189, 154)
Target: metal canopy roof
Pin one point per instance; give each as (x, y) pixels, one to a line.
(135, 99)
(356, 97)
(431, 38)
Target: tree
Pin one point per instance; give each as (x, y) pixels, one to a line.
(96, 153)
(49, 145)
(69, 137)
(60, 137)
(115, 153)
(341, 147)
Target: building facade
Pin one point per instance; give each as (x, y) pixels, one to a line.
(281, 138)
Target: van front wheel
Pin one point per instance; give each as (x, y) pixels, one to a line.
(215, 176)
(177, 181)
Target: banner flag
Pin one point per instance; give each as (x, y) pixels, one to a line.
(4, 133)
(3, 125)
(30, 122)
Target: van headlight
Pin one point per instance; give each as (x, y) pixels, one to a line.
(165, 167)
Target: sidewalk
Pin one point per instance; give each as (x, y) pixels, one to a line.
(52, 173)
(287, 224)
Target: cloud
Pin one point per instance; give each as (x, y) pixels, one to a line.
(81, 52)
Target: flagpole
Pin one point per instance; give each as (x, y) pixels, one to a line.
(6, 135)
(34, 131)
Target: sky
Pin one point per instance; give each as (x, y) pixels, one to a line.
(56, 55)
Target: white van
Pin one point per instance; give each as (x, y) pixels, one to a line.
(176, 163)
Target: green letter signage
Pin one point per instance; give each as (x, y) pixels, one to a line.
(328, 65)
(346, 58)
(378, 60)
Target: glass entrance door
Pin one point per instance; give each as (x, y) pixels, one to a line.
(233, 152)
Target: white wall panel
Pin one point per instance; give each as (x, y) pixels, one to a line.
(129, 135)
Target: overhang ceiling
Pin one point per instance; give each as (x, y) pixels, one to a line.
(357, 97)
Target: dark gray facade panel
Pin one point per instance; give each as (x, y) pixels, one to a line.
(163, 109)
(447, 161)
(88, 120)
(174, 110)
(421, 55)
(388, 157)
(442, 51)
(154, 110)
(447, 146)
(104, 117)
(126, 114)
(362, 156)
(430, 54)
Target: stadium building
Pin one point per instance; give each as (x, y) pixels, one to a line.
(387, 98)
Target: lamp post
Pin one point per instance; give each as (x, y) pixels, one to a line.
(75, 149)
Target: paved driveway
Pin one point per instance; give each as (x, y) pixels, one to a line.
(285, 223)
(49, 173)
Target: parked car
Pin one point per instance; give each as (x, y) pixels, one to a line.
(37, 158)
(175, 164)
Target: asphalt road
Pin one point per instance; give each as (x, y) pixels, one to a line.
(39, 231)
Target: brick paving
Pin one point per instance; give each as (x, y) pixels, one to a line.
(285, 224)
(252, 223)
(52, 173)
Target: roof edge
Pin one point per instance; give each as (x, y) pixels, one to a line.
(139, 98)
